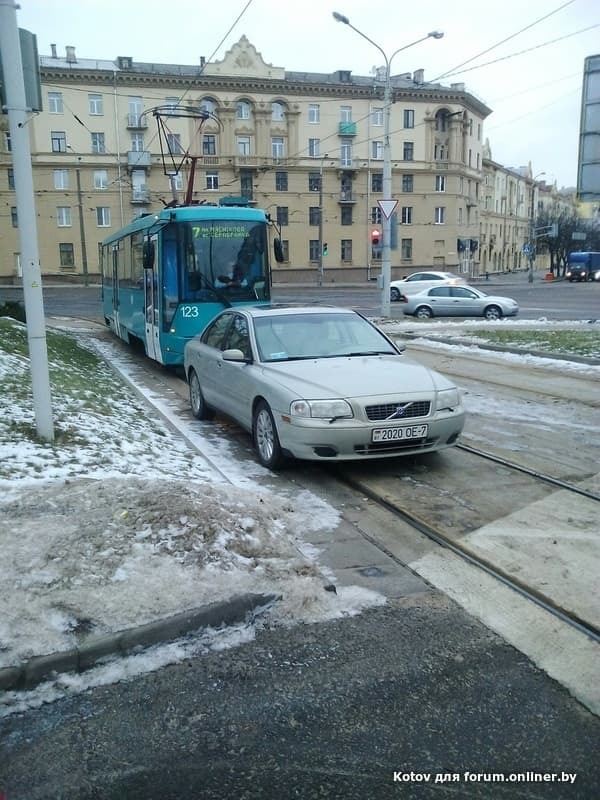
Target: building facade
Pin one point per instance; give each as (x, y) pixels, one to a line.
(118, 139)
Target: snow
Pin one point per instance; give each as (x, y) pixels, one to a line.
(134, 516)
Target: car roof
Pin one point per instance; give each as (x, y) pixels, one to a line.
(282, 309)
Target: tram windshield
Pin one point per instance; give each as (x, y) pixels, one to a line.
(226, 258)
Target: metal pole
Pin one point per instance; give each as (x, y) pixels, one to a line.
(320, 275)
(16, 106)
(531, 254)
(84, 262)
(386, 255)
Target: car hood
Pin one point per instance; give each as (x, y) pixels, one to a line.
(357, 376)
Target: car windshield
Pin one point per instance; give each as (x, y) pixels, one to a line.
(285, 337)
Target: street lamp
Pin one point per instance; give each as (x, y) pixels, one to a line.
(386, 267)
(531, 253)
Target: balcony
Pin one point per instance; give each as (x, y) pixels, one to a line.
(139, 158)
(136, 122)
(140, 196)
(347, 129)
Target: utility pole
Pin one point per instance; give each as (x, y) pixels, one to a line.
(320, 275)
(17, 109)
(84, 262)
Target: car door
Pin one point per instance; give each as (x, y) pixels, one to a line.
(465, 302)
(236, 379)
(207, 361)
(440, 301)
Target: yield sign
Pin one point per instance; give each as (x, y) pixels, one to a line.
(387, 207)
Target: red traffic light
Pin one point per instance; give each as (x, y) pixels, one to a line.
(375, 236)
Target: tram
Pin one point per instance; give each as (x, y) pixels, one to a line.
(166, 275)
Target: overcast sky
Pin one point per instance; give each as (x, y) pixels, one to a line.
(535, 97)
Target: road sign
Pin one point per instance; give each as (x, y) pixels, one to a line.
(526, 249)
(387, 207)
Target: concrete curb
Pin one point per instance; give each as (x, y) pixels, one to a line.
(38, 668)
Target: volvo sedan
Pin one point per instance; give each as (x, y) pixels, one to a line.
(458, 301)
(318, 383)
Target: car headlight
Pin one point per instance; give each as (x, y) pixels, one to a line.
(321, 409)
(447, 400)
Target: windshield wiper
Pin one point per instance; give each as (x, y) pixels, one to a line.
(370, 353)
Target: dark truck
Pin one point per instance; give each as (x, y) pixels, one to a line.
(583, 267)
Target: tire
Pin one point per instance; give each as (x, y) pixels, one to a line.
(423, 312)
(265, 438)
(394, 294)
(493, 312)
(199, 408)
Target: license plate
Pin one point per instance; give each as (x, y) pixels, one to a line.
(396, 434)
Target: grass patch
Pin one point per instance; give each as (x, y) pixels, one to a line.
(584, 342)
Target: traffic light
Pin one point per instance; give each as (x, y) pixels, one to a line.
(324, 248)
(375, 236)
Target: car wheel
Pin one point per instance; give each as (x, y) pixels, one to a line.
(394, 294)
(266, 440)
(423, 312)
(199, 408)
(493, 312)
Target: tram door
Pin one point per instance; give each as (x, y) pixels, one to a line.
(151, 306)
(114, 256)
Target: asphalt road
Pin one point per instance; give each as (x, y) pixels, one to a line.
(558, 300)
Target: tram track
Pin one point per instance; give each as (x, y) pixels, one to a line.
(467, 554)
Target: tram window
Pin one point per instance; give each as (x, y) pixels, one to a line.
(137, 259)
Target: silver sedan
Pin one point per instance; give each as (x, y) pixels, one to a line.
(318, 383)
(458, 301)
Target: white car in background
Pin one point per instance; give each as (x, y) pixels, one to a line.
(419, 281)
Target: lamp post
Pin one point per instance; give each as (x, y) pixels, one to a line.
(386, 267)
(531, 253)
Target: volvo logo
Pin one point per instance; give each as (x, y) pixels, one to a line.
(400, 411)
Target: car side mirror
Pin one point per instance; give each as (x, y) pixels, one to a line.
(234, 354)
(278, 250)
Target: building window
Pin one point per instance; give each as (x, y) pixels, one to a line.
(440, 152)
(174, 143)
(171, 103)
(96, 106)
(243, 145)
(406, 217)
(207, 104)
(137, 142)
(314, 112)
(377, 150)
(314, 181)
(478, 162)
(377, 182)
(376, 215)
(346, 250)
(408, 183)
(345, 113)
(440, 183)
(10, 174)
(314, 148)
(277, 147)
(459, 216)
(346, 152)
(55, 103)
(63, 217)
(470, 157)
(440, 215)
(277, 112)
(409, 118)
(314, 214)
(314, 249)
(103, 216)
(13, 217)
(242, 110)
(209, 144)
(281, 181)
(406, 249)
(408, 151)
(61, 178)
(100, 179)
(346, 217)
(59, 141)
(282, 215)
(175, 180)
(98, 143)
(66, 254)
(377, 117)
(212, 180)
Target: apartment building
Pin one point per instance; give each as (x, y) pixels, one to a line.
(118, 139)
